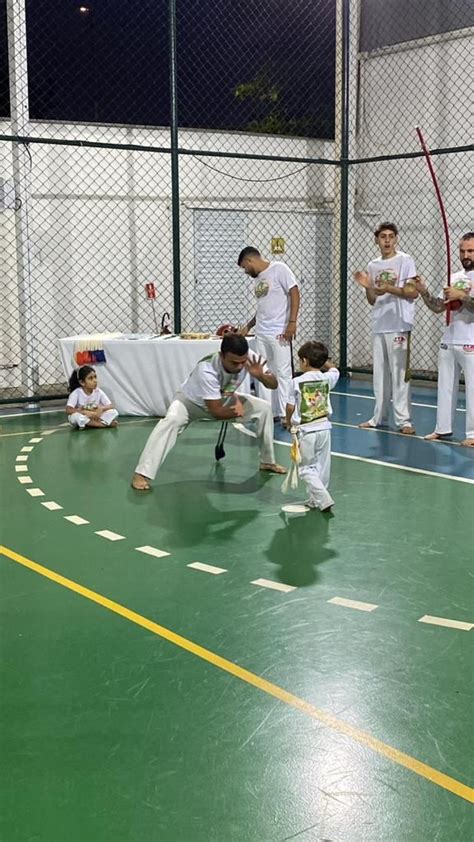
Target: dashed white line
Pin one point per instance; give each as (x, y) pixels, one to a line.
(207, 568)
(78, 521)
(154, 551)
(111, 536)
(20, 468)
(26, 449)
(35, 492)
(48, 432)
(51, 505)
(450, 624)
(25, 480)
(275, 586)
(353, 603)
(21, 459)
(35, 441)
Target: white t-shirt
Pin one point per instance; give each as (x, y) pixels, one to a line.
(310, 395)
(79, 399)
(209, 381)
(460, 330)
(391, 314)
(272, 288)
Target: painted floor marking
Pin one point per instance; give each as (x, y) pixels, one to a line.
(274, 586)
(340, 726)
(26, 449)
(36, 440)
(353, 603)
(242, 429)
(399, 467)
(372, 398)
(35, 492)
(51, 505)
(111, 536)
(154, 551)
(207, 568)
(21, 459)
(25, 480)
(450, 624)
(78, 521)
(20, 468)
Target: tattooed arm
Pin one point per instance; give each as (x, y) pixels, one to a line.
(437, 305)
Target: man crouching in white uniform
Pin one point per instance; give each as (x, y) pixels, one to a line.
(211, 391)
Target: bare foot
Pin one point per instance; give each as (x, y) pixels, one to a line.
(366, 425)
(468, 443)
(140, 483)
(113, 424)
(94, 423)
(437, 436)
(407, 430)
(272, 468)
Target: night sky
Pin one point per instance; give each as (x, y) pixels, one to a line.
(110, 63)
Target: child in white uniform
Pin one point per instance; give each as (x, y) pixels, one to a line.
(309, 410)
(88, 406)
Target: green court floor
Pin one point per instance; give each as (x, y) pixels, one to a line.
(149, 701)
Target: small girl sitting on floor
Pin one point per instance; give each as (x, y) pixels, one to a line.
(87, 405)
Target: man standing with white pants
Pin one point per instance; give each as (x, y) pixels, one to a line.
(389, 284)
(278, 300)
(456, 351)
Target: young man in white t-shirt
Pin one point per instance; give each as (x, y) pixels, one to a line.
(389, 284)
(456, 351)
(278, 301)
(212, 391)
(308, 411)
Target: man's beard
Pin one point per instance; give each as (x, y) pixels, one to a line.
(468, 264)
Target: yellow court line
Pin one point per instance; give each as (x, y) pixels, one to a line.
(411, 763)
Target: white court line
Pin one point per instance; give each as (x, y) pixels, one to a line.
(372, 398)
(275, 586)
(353, 603)
(26, 449)
(111, 536)
(35, 441)
(34, 412)
(35, 492)
(399, 467)
(78, 521)
(25, 480)
(21, 468)
(242, 429)
(21, 459)
(207, 568)
(450, 624)
(52, 506)
(152, 551)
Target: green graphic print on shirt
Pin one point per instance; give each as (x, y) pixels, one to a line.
(314, 400)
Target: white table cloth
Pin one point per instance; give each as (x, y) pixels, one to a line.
(142, 374)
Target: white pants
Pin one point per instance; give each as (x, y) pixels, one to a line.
(390, 363)
(315, 466)
(77, 419)
(277, 353)
(451, 360)
(182, 412)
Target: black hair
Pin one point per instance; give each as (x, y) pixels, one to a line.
(468, 236)
(233, 343)
(248, 251)
(79, 374)
(386, 226)
(315, 352)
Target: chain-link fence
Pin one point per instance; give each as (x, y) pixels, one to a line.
(292, 129)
